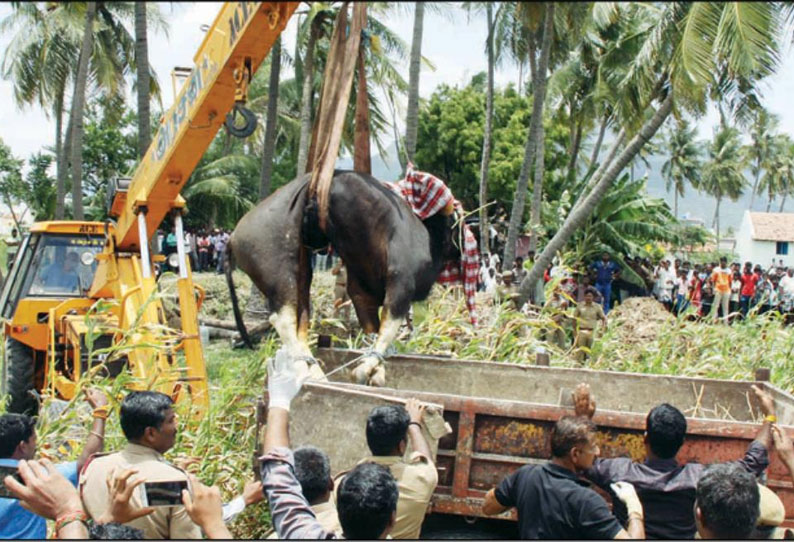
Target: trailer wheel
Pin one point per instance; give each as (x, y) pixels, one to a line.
(18, 370)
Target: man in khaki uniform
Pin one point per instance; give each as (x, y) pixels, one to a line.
(507, 290)
(387, 429)
(557, 306)
(149, 423)
(587, 316)
(313, 471)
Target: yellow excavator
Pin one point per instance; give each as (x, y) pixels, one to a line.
(63, 268)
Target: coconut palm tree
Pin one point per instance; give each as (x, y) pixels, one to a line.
(683, 46)
(762, 133)
(76, 115)
(685, 164)
(142, 82)
(269, 147)
(43, 55)
(477, 8)
(223, 190)
(779, 166)
(539, 53)
(314, 26)
(722, 174)
(412, 114)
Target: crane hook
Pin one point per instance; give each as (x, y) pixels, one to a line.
(250, 121)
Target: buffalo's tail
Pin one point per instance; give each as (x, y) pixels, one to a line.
(238, 317)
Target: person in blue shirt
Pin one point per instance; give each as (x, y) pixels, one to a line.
(62, 277)
(606, 271)
(18, 441)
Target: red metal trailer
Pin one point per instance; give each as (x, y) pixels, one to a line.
(501, 415)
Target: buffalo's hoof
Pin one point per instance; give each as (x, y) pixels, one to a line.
(378, 377)
(365, 370)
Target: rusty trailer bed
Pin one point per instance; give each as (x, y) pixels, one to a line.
(501, 415)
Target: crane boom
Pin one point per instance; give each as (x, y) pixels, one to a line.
(238, 41)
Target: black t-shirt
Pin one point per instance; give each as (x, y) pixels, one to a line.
(553, 503)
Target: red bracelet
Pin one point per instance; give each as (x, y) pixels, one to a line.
(70, 517)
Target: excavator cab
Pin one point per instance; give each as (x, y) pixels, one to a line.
(54, 269)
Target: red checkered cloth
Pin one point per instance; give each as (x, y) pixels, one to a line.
(427, 195)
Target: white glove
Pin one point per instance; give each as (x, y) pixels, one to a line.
(282, 381)
(628, 495)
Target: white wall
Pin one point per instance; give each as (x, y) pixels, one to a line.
(759, 252)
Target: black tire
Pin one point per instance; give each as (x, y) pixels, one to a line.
(18, 370)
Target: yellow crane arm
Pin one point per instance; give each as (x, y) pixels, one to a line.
(238, 41)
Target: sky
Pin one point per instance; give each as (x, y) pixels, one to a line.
(453, 42)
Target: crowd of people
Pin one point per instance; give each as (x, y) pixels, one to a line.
(205, 248)
(387, 493)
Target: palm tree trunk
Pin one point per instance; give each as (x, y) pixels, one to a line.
(520, 76)
(783, 203)
(269, 147)
(412, 115)
(535, 131)
(601, 169)
(362, 156)
(601, 132)
(142, 67)
(538, 189)
(755, 185)
(78, 106)
(769, 203)
(717, 219)
(486, 141)
(306, 98)
(579, 215)
(60, 159)
(675, 203)
(576, 144)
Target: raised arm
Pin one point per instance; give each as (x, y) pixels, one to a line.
(290, 512)
(418, 442)
(96, 437)
(767, 407)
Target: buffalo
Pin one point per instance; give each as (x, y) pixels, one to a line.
(392, 256)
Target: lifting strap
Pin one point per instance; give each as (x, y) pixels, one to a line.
(337, 83)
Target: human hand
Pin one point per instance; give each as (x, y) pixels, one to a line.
(415, 409)
(628, 496)
(45, 492)
(783, 443)
(204, 505)
(583, 402)
(765, 401)
(253, 492)
(282, 380)
(95, 398)
(121, 484)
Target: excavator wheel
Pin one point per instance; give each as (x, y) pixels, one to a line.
(17, 383)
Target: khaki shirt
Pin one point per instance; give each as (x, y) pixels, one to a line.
(589, 316)
(327, 516)
(416, 481)
(166, 522)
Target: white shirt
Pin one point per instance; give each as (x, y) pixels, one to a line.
(787, 284)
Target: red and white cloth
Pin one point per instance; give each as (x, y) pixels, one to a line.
(427, 195)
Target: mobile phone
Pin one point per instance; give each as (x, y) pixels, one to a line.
(8, 471)
(163, 493)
